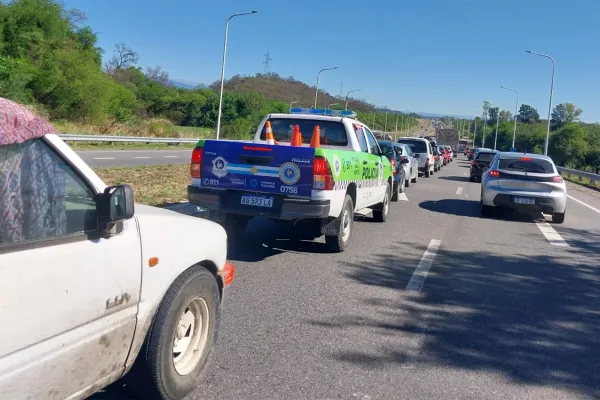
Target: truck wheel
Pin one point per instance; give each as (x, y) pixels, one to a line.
(395, 192)
(381, 214)
(345, 221)
(180, 340)
(416, 178)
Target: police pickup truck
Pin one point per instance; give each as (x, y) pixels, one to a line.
(312, 166)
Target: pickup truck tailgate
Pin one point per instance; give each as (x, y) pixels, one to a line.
(258, 167)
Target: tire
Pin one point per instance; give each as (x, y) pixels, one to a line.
(395, 191)
(155, 374)
(427, 174)
(340, 242)
(558, 218)
(407, 183)
(416, 178)
(485, 211)
(401, 187)
(381, 215)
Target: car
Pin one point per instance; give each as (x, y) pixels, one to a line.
(412, 168)
(423, 152)
(392, 151)
(524, 182)
(472, 153)
(480, 163)
(444, 154)
(438, 159)
(451, 153)
(120, 289)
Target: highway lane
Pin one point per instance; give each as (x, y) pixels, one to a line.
(130, 158)
(494, 311)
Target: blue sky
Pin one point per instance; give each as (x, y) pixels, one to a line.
(437, 56)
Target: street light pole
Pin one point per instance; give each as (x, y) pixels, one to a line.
(516, 112)
(497, 123)
(352, 91)
(223, 67)
(483, 134)
(332, 104)
(292, 103)
(551, 92)
(385, 125)
(317, 88)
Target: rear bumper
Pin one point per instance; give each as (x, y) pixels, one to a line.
(548, 203)
(284, 207)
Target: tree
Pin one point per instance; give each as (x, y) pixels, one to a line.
(528, 114)
(157, 74)
(563, 114)
(486, 107)
(124, 57)
(592, 159)
(505, 115)
(568, 146)
(493, 114)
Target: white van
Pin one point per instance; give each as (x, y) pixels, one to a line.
(423, 152)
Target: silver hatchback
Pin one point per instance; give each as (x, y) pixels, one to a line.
(525, 182)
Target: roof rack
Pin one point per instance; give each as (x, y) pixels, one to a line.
(319, 111)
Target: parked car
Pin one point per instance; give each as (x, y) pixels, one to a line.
(480, 163)
(438, 160)
(423, 152)
(399, 173)
(412, 168)
(95, 286)
(524, 182)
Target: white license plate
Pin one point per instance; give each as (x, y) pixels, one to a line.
(524, 200)
(257, 201)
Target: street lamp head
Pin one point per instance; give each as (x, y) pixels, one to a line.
(254, 11)
(528, 51)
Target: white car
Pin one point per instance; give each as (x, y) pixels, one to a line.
(423, 152)
(524, 182)
(412, 168)
(92, 288)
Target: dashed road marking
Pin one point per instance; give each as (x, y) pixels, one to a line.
(104, 158)
(584, 204)
(553, 237)
(459, 190)
(171, 156)
(402, 196)
(418, 277)
(141, 157)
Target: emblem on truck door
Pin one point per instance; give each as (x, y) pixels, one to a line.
(219, 167)
(337, 165)
(289, 173)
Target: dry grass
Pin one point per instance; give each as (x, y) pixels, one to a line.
(154, 185)
(143, 128)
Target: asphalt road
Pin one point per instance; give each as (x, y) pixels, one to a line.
(130, 158)
(436, 303)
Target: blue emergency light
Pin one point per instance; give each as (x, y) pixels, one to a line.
(318, 111)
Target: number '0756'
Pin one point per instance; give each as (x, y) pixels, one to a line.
(289, 189)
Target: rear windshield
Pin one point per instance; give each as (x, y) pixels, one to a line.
(387, 149)
(531, 165)
(485, 156)
(333, 133)
(417, 146)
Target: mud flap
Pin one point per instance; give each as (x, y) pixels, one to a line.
(330, 226)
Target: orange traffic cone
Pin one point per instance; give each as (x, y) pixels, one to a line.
(296, 137)
(315, 141)
(270, 139)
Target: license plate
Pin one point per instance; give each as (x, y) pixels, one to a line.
(524, 200)
(257, 201)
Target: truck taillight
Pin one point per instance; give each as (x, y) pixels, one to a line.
(196, 164)
(322, 176)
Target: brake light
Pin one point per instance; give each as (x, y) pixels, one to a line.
(393, 166)
(427, 160)
(525, 159)
(435, 158)
(196, 164)
(557, 179)
(494, 174)
(473, 162)
(322, 176)
(403, 158)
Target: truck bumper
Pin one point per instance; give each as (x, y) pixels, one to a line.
(284, 207)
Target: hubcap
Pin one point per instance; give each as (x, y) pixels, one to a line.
(191, 335)
(345, 225)
(386, 204)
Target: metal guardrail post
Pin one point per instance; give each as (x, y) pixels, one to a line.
(594, 178)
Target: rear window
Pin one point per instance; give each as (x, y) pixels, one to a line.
(532, 165)
(417, 146)
(485, 156)
(387, 150)
(332, 133)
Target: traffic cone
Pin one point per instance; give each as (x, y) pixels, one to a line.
(296, 137)
(270, 139)
(315, 141)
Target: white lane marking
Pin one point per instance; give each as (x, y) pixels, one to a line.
(402, 196)
(553, 237)
(418, 278)
(104, 158)
(459, 190)
(171, 156)
(584, 204)
(141, 157)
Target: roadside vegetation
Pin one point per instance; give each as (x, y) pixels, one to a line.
(50, 61)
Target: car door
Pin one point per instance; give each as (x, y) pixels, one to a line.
(69, 293)
(362, 191)
(414, 163)
(379, 185)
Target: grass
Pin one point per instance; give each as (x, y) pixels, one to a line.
(128, 146)
(155, 185)
(583, 182)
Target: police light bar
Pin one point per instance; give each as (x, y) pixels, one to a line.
(318, 111)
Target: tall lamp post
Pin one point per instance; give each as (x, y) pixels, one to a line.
(332, 104)
(292, 103)
(351, 91)
(223, 67)
(317, 88)
(551, 92)
(516, 112)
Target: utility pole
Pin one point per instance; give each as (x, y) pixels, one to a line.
(267, 61)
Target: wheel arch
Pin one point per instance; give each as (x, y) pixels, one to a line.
(351, 190)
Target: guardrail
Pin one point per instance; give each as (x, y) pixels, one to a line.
(594, 178)
(127, 139)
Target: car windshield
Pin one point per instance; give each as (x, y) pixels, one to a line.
(486, 157)
(333, 133)
(525, 164)
(417, 146)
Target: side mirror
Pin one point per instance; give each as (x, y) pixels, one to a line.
(116, 204)
(405, 161)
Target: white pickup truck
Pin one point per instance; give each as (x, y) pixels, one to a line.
(91, 289)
